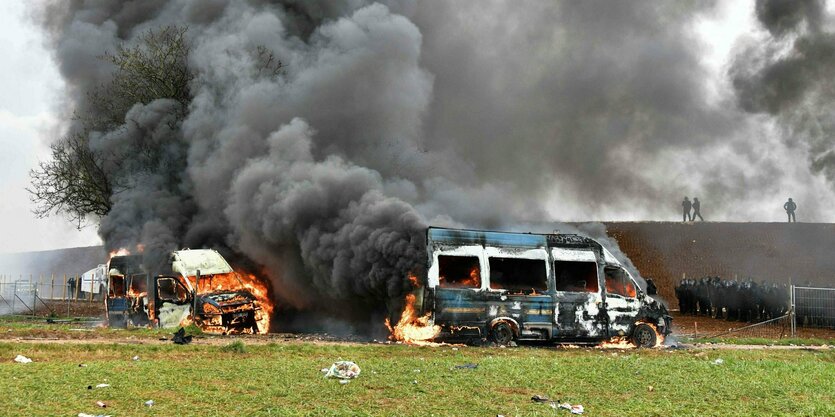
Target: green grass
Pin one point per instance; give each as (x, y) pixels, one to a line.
(28, 327)
(285, 379)
(234, 347)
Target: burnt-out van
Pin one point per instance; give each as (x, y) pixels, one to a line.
(195, 286)
(523, 286)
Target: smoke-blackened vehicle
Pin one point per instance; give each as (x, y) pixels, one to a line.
(522, 286)
(196, 286)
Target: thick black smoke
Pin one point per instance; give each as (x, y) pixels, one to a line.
(388, 117)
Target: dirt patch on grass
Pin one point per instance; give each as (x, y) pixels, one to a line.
(702, 326)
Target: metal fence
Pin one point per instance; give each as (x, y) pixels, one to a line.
(776, 328)
(813, 307)
(52, 295)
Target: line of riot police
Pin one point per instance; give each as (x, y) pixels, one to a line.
(732, 300)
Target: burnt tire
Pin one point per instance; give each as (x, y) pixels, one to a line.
(644, 336)
(501, 333)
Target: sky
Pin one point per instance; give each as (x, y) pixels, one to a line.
(30, 96)
(32, 93)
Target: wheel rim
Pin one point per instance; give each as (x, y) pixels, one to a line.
(503, 334)
(645, 337)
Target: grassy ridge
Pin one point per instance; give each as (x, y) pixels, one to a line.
(284, 379)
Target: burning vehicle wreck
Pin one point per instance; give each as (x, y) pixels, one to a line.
(520, 286)
(196, 286)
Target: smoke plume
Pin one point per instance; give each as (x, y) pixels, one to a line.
(789, 77)
(386, 118)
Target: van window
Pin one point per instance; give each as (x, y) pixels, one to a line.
(137, 285)
(459, 271)
(518, 275)
(617, 282)
(168, 290)
(117, 286)
(574, 276)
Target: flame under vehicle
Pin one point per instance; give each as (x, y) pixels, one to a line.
(200, 287)
(522, 286)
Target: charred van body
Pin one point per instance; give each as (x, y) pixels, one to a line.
(521, 286)
(196, 286)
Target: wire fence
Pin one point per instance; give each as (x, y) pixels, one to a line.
(776, 328)
(53, 295)
(813, 307)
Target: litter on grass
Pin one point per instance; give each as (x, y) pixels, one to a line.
(556, 405)
(180, 338)
(342, 370)
(22, 359)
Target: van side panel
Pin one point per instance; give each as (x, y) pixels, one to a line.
(579, 311)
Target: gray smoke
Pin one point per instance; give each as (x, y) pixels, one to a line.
(789, 77)
(389, 117)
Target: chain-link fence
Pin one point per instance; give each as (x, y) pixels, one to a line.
(776, 328)
(813, 307)
(54, 295)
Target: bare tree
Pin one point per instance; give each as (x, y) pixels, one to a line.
(74, 182)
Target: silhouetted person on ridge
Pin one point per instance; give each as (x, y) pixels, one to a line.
(790, 207)
(696, 206)
(686, 205)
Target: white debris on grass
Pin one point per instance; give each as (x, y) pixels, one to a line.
(22, 359)
(342, 370)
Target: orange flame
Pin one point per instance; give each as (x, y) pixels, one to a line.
(473, 280)
(621, 342)
(617, 287)
(118, 252)
(617, 342)
(412, 329)
(230, 282)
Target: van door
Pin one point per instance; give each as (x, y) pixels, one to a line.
(579, 312)
(622, 304)
(172, 302)
(518, 290)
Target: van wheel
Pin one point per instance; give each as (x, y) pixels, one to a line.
(502, 334)
(644, 336)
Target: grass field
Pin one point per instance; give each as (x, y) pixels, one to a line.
(219, 378)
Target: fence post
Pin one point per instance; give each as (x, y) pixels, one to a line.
(34, 290)
(792, 315)
(52, 286)
(14, 297)
(67, 299)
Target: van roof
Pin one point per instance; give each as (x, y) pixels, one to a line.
(442, 235)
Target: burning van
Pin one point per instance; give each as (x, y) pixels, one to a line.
(522, 286)
(197, 286)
